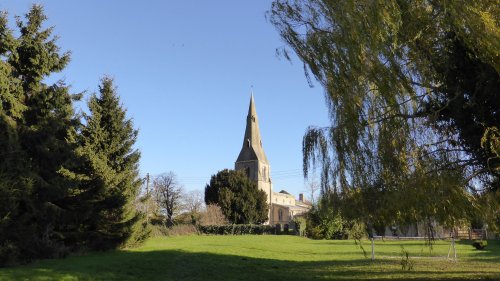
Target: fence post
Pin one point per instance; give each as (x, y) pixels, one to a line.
(373, 250)
(454, 250)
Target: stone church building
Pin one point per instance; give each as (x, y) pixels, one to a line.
(283, 206)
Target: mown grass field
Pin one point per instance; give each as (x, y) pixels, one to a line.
(251, 257)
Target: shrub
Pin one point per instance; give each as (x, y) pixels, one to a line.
(185, 218)
(236, 229)
(156, 219)
(480, 244)
(212, 216)
(300, 226)
(182, 229)
(174, 230)
(278, 229)
(315, 233)
(357, 231)
(324, 223)
(406, 262)
(379, 228)
(159, 230)
(324, 220)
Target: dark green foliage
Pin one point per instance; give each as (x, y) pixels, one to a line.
(490, 211)
(467, 104)
(38, 119)
(325, 222)
(238, 197)
(13, 190)
(47, 122)
(236, 229)
(107, 175)
(59, 191)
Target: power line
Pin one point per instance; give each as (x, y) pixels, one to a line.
(279, 175)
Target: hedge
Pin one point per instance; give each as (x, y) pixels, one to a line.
(236, 229)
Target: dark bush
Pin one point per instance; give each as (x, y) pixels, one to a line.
(278, 229)
(9, 254)
(480, 245)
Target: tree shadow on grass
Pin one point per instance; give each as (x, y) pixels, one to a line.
(181, 265)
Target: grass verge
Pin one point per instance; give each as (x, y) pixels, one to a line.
(266, 257)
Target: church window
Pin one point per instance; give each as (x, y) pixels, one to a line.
(248, 142)
(280, 215)
(264, 172)
(247, 171)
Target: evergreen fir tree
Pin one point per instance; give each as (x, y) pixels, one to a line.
(62, 185)
(108, 175)
(15, 229)
(43, 131)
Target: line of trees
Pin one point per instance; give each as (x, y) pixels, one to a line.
(169, 204)
(230, 197)
(68, 181)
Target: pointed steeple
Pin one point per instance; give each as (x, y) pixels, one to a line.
(252, 143)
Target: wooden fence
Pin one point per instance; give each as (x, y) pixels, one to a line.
(471, 234)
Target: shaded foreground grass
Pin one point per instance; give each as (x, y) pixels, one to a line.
(266, 258)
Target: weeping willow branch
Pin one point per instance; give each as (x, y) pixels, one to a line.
(387, 70)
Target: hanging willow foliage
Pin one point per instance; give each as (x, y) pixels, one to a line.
(397, 120)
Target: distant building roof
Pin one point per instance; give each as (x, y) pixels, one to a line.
(293, 207)
(284, 192)
(305, 202)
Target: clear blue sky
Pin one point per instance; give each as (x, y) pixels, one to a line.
(184, 70)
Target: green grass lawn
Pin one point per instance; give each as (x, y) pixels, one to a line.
(265, 257)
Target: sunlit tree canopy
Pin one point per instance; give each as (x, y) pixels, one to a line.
(412, 89)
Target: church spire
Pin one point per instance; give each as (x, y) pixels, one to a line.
(252, 143)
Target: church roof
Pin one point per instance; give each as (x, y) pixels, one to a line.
(284, 192)
(252, 143)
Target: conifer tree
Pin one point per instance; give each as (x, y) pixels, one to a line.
(62, 185)
(239, 198)
(108, 175)
(46, 125)
(14, 188)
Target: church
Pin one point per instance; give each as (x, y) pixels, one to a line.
(283, 206)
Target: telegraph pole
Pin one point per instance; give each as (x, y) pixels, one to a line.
(147, 198)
